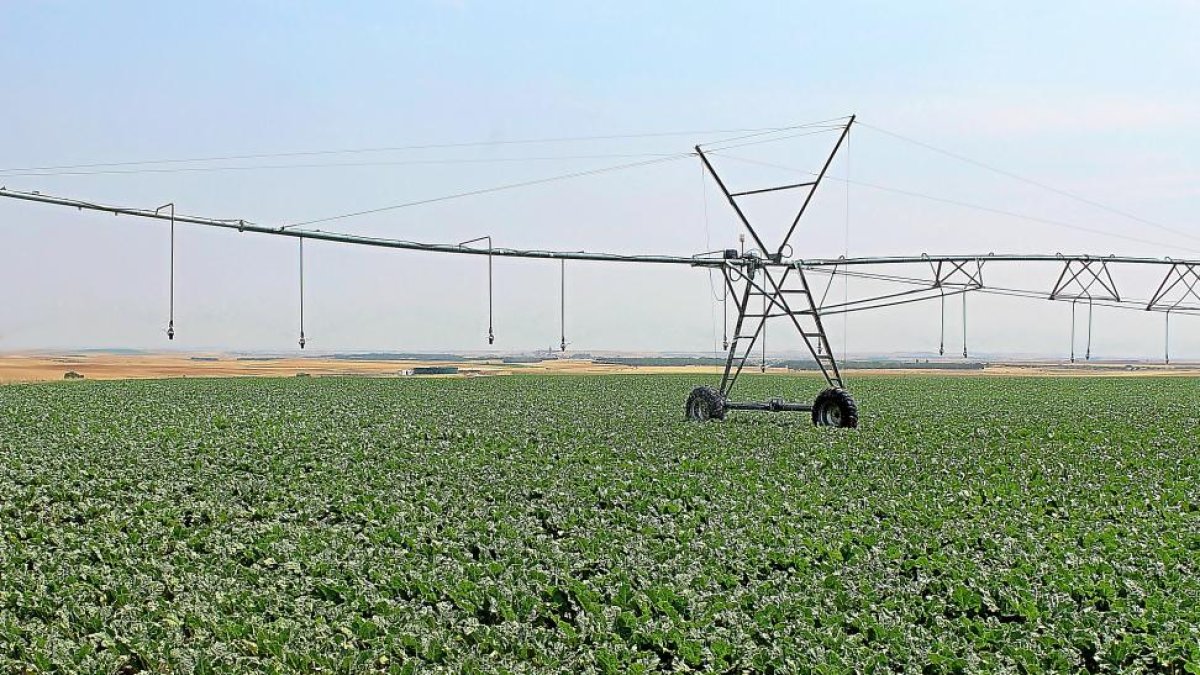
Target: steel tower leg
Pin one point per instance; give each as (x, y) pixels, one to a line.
(776, 292)
(764, 277)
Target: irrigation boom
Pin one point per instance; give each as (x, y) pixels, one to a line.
(766, 283)
(701, 260)
(344, 238)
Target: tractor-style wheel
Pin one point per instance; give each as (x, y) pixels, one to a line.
(835, 408)
(705, 403)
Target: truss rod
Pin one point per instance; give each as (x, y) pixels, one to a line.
(842, 309)
(1001, 257)
(1126, 303)
(834, 309)
(791, 186)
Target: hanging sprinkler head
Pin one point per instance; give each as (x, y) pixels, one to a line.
(562, 307)
(302, 340)
(1088, 355)
(171, 285)
(491, 336)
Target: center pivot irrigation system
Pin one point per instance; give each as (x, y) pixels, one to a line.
(768, 282)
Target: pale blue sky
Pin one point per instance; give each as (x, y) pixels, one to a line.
(1098, 98)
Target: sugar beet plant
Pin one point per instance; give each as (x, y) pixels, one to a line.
(546, 524)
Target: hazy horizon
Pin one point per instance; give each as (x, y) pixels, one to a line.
(552, 352)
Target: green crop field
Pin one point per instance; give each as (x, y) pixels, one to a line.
(565, 524)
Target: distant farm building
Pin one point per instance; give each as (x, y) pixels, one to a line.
(434, 370)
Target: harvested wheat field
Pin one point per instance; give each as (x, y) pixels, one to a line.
(47, 367)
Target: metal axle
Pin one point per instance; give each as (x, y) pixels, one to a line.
(773, 405)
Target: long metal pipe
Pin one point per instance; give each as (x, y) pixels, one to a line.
(344, 238)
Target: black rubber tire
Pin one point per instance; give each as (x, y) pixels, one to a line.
(705, 403)
(835, 407)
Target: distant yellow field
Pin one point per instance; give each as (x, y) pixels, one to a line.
(38, 367)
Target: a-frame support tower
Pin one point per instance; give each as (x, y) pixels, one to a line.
(763, 285)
